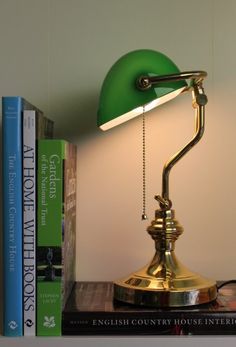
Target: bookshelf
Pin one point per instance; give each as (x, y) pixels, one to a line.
(121, 342)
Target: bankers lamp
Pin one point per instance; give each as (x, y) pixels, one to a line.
(138, 82)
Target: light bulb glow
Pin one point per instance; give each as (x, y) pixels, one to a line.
(139, 110)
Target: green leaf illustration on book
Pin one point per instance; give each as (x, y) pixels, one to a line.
(49, 322)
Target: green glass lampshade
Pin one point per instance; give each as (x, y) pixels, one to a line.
(121, 99)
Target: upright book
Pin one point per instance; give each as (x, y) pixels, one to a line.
(35, 126)
(12, 115)
(91, 310)
(56, 232)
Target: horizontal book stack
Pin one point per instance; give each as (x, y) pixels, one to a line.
(91, 309)
(23, 128)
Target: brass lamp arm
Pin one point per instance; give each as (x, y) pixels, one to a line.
(146, 82)
(199, 102)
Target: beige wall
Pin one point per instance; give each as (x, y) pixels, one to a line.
(56, 54)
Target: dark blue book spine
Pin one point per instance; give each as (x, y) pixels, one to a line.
(12, 215)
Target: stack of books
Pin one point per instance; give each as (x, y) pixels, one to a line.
(91, 310)
(39, 221)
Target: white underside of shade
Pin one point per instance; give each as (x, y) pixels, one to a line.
(139, 110)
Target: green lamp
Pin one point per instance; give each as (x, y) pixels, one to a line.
(140, 81)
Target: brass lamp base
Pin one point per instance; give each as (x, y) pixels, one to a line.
(185, 290)
(165, 282)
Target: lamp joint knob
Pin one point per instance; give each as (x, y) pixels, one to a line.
(143, 83)
(165, 204)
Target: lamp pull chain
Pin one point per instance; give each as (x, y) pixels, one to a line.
(144, 216)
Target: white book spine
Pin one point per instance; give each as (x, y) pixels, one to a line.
(29, 218)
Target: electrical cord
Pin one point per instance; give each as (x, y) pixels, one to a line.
(225, 284)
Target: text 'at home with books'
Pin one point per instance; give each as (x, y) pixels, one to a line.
(23, 127)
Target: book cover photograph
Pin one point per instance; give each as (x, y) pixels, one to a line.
(56, 232)
(91, 310)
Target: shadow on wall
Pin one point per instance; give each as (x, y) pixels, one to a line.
(75, 116)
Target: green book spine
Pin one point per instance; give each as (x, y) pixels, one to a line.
(56, 218)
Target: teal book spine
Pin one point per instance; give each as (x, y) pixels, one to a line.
(56, 232)
(12, 215)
